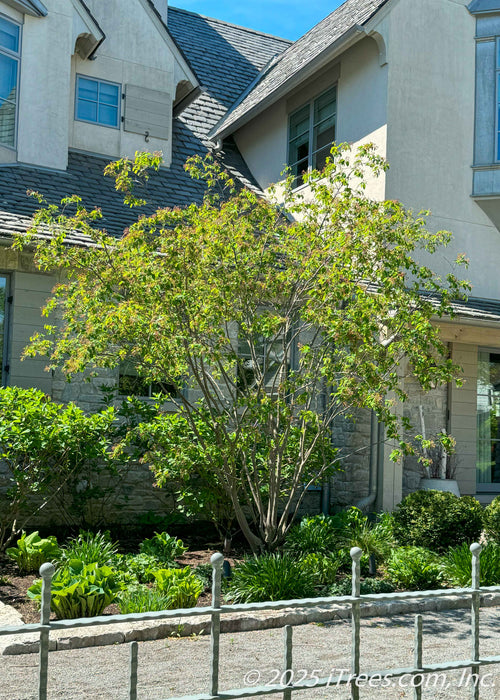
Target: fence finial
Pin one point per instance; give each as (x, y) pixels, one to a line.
(216, 560)
(475, 549)
(47, 570)
(356, 553)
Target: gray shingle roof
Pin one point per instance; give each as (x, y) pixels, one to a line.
(479, 309)
(226, 58)
(298, 56)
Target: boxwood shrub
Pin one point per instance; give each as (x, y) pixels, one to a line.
(437, 520)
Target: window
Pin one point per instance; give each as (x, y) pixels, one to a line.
(130, 384)
(10, 51)
(269, 360)
(97, 102)
(311, 131)
(488, 420)
(4, 301)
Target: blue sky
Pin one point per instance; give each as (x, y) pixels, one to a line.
(286, 18)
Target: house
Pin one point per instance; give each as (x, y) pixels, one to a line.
(85, 82)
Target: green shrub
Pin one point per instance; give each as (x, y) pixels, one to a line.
(437, 520)
(49, 451)
(271, 577)
(163, 546)
(90, 548)
(318, 534)
(321, 567)
(180, 586)
(142, 599)
(414, 569)
(368, 585)
(491, 518)
(205, 573)
(337, 534)
(79, 590)
(373, 539)
(457, 565)
(140, 567)
(32, 551)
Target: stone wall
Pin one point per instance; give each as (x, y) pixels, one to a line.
(435, 410)
(352, 438)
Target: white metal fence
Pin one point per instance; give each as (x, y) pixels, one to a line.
(415, 673)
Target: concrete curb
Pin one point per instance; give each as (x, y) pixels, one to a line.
(236, 622)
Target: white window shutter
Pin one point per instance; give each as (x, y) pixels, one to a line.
(147, 112)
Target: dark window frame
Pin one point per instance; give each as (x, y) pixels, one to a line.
(308, 110)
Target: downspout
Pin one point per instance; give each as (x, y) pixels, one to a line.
(373, 465)
(325, 487)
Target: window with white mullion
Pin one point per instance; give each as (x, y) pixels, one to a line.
(97, 101)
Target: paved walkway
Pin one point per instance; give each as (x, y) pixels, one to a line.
(179, 666)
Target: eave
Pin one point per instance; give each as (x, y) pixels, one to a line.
(35, 8)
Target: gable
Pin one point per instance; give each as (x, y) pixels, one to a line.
(300, 61)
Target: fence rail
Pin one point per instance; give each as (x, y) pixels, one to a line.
(286, 687)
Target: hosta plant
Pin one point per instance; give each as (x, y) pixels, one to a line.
(163, 546)
(180, 586)
(32, 551)
(140, 567)
(79, 590)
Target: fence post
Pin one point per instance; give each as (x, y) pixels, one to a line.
(288, 672)
(216, 561)
(47, 571)
(476, 601)
(417, 658)
(356, 619)
(132, 688)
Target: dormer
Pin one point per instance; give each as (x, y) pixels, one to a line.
(127, 80)
(99, 77)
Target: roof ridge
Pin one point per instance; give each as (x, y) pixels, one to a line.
(249, 30)
(324, 20)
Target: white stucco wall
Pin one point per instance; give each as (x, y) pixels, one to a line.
(431, 60)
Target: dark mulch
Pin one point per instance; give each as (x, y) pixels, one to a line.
(14, 591)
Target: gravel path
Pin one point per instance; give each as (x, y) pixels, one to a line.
(179, 666)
